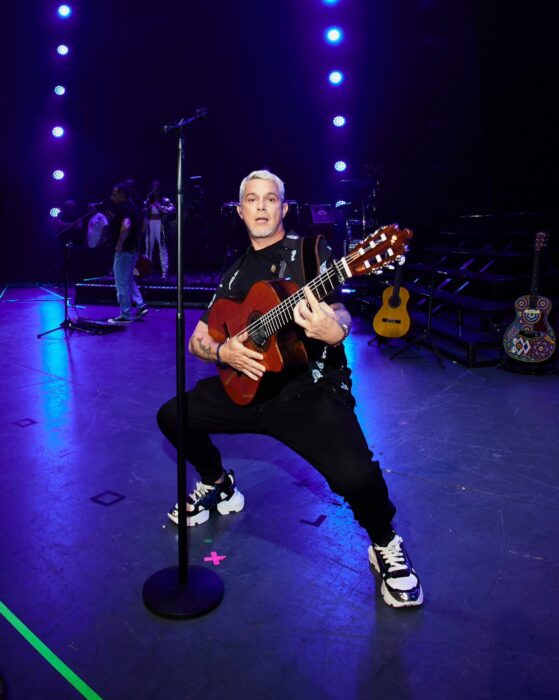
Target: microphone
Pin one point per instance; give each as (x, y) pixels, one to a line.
(200, 113)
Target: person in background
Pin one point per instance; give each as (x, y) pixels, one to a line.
(158, 211)
(125, 235)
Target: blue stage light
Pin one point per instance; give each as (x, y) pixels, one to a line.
(336, 77)
(339, 121)
(58, 174)
(58, 132)
(54, 212)
(334, 35)
(340, 166)
(64, 11)
(62, 50)
(59, 90)
(341, 203)
(330, 2)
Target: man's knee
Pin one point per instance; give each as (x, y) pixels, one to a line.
(167, 419)
(352, 482)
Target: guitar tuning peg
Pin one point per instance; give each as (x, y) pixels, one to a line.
(390, 267)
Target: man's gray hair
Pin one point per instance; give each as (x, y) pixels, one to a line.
(262, 175)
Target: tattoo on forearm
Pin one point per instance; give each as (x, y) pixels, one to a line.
(206, 350)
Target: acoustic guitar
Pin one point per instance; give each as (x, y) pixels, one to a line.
(530, 337)
(266, 313)
(392, 320)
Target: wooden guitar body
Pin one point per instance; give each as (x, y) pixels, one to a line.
(392, 320)
(284, 350)
(530, 337)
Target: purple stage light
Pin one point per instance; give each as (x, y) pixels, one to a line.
(339, 121)
(336, 77)
(340, 166)
(58, 132)
(64, 11)
(58, 174)
(334, 35)
(54, 212)
(59, 90)
(62, 50)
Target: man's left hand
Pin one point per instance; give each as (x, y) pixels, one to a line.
(317, 319)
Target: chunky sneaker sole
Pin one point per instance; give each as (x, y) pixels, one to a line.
(142, 311)
(119, 320)
(206, 498)
(400, 584)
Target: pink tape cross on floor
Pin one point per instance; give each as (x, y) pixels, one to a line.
(215, 558)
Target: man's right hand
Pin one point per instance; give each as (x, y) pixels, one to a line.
(234, 353)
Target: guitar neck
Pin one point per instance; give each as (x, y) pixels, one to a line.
(534, 286)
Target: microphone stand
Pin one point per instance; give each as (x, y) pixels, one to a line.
(183, 591)
(67, 323)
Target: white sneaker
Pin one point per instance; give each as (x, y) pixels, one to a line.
(225, 498)
(400, 584)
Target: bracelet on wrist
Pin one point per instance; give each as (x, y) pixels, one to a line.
(345, 329)
(219, 362)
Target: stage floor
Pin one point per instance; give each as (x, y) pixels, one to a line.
(470, 457)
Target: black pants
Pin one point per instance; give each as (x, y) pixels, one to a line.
(319, 423)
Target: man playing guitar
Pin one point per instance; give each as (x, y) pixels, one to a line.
(309, 408)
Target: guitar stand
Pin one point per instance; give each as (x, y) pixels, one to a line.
(379, 340)
(425, 338)
(539, 368)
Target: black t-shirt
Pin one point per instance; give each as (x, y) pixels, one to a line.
(283, 260)
(126, 210)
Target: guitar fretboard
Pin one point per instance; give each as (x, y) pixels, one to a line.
(277, 318)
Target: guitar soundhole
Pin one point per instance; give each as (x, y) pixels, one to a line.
(532, 315)
(257, 334)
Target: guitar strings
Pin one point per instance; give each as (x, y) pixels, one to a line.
(282, 311)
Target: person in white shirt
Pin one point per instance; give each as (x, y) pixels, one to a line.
(159, 211)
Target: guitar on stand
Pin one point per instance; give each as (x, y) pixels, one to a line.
(530, 337)
(392, 320)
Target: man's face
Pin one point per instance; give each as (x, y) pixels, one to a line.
(117, 196)
(262, 211)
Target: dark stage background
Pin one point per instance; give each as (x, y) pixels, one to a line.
(452, 103)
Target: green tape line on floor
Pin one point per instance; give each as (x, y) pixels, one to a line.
(48, 655)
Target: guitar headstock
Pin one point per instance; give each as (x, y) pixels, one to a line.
(541, 240)
(384, 247)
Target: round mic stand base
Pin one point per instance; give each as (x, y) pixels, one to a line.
(166, 596)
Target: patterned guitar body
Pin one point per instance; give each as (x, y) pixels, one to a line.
(530, 337)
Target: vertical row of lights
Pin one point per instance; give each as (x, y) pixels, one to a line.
(57, 130)
(334, 37)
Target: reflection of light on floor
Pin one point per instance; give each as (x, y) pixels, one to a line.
(369, 411)
(57, 396)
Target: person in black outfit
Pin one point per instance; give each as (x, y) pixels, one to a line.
(124, 228)
(318, 397)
